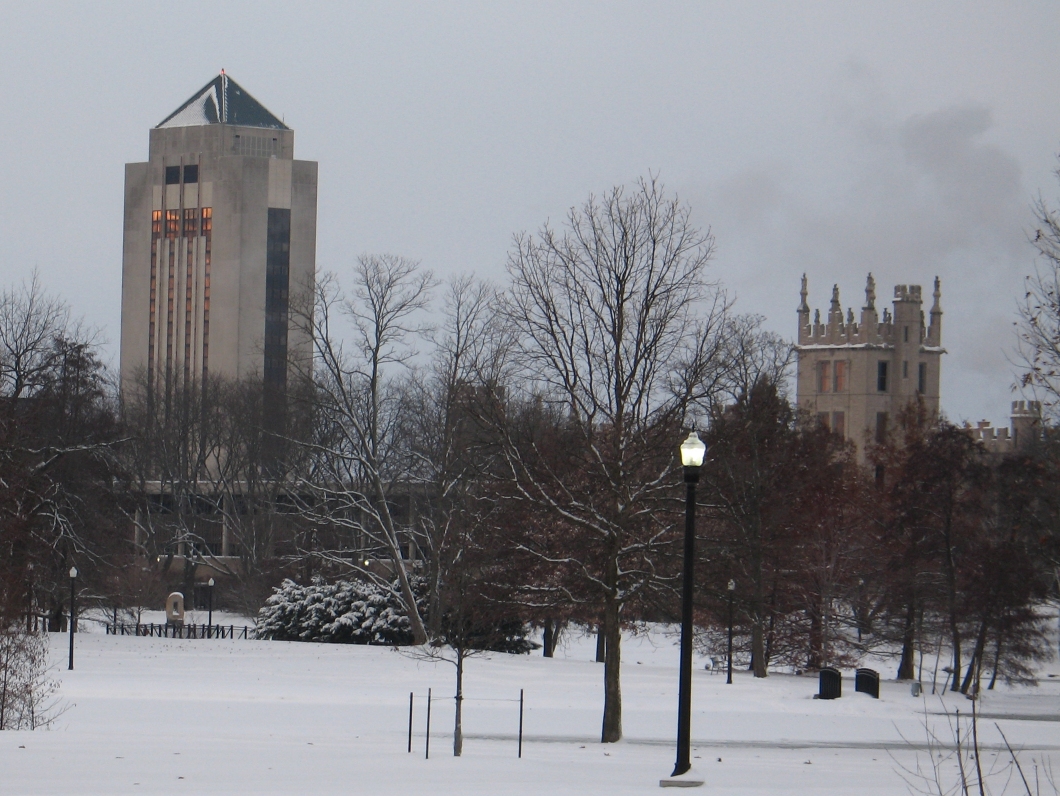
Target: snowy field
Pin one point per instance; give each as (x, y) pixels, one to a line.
(162, 716)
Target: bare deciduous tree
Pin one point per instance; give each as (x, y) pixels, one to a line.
(31, 321)
(359, 459)
(57, 429)
(1038, 326)
(452, 448)
(618, 325)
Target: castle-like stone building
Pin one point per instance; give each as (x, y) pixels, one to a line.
(855, 376)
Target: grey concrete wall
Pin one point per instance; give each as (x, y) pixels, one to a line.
(303, 264)
(135, 271)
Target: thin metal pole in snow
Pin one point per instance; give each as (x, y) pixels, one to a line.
(410, 722)
(520, 723)
(427, 747)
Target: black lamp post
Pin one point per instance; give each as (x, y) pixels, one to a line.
(732, 590)
(209, 626)
(692, 452)
(73, 612)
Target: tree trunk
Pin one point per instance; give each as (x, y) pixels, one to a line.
(975, 662)
(419, 632)
(955, 635)
(434, 601)
(601, 641)
(997, 660)
(57, 619)
(951, 584)
(815, 653)
(458, 716)
(907, 664)
(188, 579)
(548, 639)
(758, 648)
(612, 633)
(758, 637)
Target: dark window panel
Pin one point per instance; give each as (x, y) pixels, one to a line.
(191, 174)
(172, 175)
(277, 286)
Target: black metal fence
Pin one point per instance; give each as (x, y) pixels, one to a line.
(180, 631)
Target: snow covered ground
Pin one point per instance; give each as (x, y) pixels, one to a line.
(163, 716)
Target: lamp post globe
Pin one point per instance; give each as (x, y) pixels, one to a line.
(693, 450)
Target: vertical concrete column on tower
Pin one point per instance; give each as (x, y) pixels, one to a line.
(908, 323)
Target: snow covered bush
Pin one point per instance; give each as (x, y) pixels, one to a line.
(343, 612)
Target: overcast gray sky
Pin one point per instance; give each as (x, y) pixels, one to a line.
(908, 139)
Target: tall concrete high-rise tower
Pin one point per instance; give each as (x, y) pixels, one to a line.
(856, 377)
(220, 232)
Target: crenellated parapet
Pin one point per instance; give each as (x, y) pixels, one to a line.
(1024, 431)
(872, 330)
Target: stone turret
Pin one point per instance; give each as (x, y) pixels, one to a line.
(934, 331)
(1026, 423)
(1025, 430)
(804, 310)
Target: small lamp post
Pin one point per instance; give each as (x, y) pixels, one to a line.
(732, 591)
(692, 452)
(73, 612)
(209, 625)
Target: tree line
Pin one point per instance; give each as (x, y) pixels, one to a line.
(510, 449)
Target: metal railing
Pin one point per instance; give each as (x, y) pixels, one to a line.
(169, 630)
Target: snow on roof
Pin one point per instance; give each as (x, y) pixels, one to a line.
(222, 101)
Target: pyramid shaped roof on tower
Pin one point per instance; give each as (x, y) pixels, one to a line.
(223, 101)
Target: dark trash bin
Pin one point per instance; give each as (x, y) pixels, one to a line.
(831, 684)
(867, 681)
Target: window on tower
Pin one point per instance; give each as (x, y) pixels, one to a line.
(824, 377)
(207, 220)
(172, 175)
(191, 174)
(921, 381)
(881, 376)
(840, 381)
(839, 425)
(172, 223)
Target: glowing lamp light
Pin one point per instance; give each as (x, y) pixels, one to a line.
(73, 572)
(693, 450)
